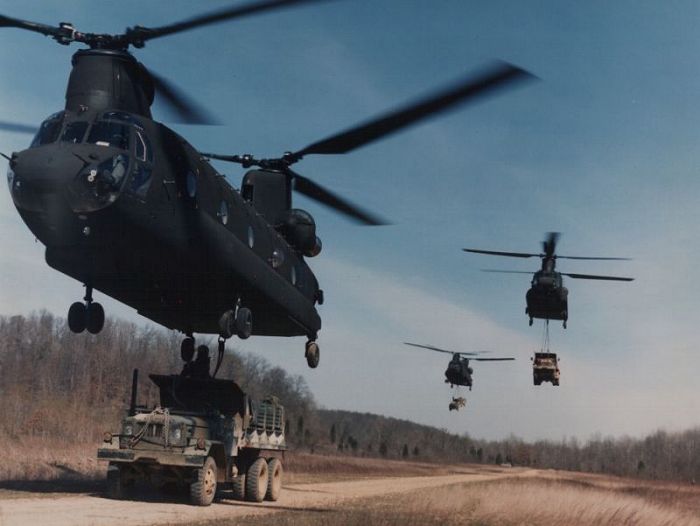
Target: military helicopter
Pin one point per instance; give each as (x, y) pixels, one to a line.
(458, 371)
(126, 206)
(547, 297)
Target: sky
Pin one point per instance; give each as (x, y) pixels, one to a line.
(603, 148)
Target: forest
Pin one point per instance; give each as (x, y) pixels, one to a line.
(63, 388)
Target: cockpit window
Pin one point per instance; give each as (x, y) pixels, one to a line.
(143, 147)
(74, 132)
(49, 130)
(121, 116)
(110, 133)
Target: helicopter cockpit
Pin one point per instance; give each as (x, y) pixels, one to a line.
(104, 174)
(546, 280)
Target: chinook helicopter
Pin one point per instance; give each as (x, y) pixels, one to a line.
(458, 371)
(126, 206)
(547, 297)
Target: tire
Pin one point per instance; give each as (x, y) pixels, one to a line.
(313, 354)
(274, 480)
(244, 323)
(227, 324)
(203, 489)
(116, 482)
(256, 481)
(77, 317)
(238, 487)
(95, 315)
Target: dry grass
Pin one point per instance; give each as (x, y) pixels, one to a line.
(510, 502)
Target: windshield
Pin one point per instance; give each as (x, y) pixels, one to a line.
(110, 133)
(49, 130)
(74, 132)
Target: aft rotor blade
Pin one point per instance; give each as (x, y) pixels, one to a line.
(498, 76)
(431, 348)
(318, 193)
(590, 276)
(17, 128)
(140, 34)
(498, 253)
(186, 109)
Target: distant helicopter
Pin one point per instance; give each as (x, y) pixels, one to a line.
(128, 207)
(548, 297)
(458, 371)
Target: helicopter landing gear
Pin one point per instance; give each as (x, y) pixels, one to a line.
(530, 322)
(238, 322)
(564, 324)
(187, 349)
(312, 354)
(89, 315)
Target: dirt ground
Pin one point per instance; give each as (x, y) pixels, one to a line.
(78, 505)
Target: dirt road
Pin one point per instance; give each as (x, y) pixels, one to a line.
(80, 510)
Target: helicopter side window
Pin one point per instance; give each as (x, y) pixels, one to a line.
(74, 132)
(140, 180)
(143, 147)
(49, 131)
(110, 133)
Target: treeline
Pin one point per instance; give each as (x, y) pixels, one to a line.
(64, 387)
(58, 385)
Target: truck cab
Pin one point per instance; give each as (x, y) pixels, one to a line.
(206, 434)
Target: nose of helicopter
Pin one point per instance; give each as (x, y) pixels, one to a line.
(38, 178)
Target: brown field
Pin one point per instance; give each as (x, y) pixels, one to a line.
(329, 490)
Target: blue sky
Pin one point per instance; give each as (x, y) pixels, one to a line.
(602, 149)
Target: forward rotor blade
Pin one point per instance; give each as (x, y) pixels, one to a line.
(498, 253)
(6, 21)
(316, 192)
(497, 76)
(594, 258)
(590, 276)
(431, 348)
(185, 108)
(140, 34)
(550, 244)
(17, 128)
(507, 271)
(492, 359)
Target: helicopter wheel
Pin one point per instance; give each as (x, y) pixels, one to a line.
(244, 323)
(312, 354)
(187, 349)
(564, 324)
(77, 317)
(530, 322)
(94, 317)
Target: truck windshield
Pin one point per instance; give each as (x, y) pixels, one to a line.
(110, 133)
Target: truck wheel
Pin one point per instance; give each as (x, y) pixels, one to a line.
(238, 487)
(256, 481)
(203, 489)
(117, 483)
(274, 482)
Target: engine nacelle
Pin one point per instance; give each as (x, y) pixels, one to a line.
(299, 229)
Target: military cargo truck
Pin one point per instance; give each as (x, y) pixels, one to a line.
(545, 368)
(206, 435)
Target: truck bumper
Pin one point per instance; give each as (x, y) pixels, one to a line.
(150, 457)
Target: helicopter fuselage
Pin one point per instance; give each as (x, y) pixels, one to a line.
(125, 205)
(458, 372)
(547, 297)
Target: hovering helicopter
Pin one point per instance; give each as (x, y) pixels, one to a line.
(126, 206)
(547, 297)
(458, 371)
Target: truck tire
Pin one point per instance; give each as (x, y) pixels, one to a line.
(274, 479)
(238, 487)
(203, 489)
(256, 481)
(117, 484)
